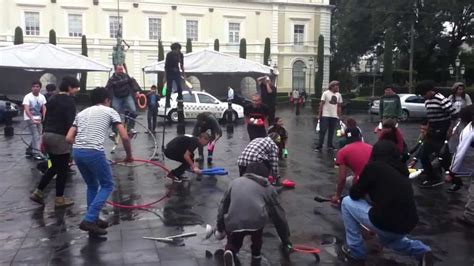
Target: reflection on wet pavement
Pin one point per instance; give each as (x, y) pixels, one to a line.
(35, 235)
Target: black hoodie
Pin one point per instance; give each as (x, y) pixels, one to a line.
(385, 180)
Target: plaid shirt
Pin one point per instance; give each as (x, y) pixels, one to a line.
(258, 150)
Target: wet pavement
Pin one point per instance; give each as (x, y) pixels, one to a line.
(33, 235)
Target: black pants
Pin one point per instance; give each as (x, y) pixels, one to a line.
(327, 124)
(256, 132)
(271, 114)
(243, 169)
(151, 118)
(235, 240)
(432, 146)
(59, 167)
(179, 171)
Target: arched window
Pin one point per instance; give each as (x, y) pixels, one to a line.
(48, 78)
(248, 87)
(195, 82)
(299, 75)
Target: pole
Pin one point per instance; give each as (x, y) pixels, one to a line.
(309, 88)
(373, 83)
(412, 47)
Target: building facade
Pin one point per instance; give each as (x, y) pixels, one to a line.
(292, 26)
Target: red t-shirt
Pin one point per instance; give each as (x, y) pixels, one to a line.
(355, 156)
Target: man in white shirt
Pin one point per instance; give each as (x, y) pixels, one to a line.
(230, 96)
(329, 114)
(35, 111)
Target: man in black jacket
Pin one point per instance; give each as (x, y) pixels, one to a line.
(393, 213)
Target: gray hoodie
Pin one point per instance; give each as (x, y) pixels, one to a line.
(248, 203)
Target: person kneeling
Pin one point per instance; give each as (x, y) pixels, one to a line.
(393, 214)
(241, 213)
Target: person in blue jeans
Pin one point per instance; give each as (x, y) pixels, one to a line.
(392, 212)
(174, 64)
(88, 134)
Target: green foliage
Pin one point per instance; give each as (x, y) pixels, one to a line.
(52, 37)
(18, 36)
(243, 48)
(161, 57)
(318, 80)
(83, 81)
(216, 45)
(266, 51)
(189, 46)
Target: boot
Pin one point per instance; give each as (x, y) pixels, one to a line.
(92, 228)
(37, 196)
(102, 223)
(62, 202)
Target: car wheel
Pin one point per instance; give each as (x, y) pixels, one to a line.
(173, 115)
(404, 115)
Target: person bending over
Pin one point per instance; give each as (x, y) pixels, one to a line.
(261, 150)
(244, 210)
(207, 121)
(280, 130)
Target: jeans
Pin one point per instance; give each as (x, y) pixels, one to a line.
(327, 124)
(355, 213)
(59, 166)
(170, 78)
(235, 240)
(125, 104)
(35, 131)
(151, 118)
(96, 172)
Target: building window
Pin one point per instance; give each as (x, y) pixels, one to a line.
(298, 34)
(75, 25)
(234, 32)
(154, 28)
(32, 23)
(192, 30)
(114, 25)
(299, 75)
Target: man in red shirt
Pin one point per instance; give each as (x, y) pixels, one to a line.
(354, 156)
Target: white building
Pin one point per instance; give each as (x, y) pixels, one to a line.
(292, 25)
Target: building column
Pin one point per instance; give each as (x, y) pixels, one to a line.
(325, 30)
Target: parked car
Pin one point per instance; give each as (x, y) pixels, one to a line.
(14, 109)
(196, 103)
(413, 106)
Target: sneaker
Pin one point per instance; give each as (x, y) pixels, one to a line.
(174, 178)
(62, 202)
(37, 196)
(347, 253)
(38, 157)
(92, 228)
(430, 183)
(463, 220)
(29, 153)
(132, 132)
(318, 149)
(331, 148)
(427, 259)
(453, 188)
(228, 258)
(102, 223)
(112, 136)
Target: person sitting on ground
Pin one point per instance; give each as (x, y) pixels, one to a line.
(182, 149)
(350, 123)
(391, 132)
(244, 210)
(58, 120)
(87, 134)
(354, 156)
(393, 213)
(50, 91)
(463, 162)
(280, 130)
(207, 121)
(153, 102)
(256, 115)
(261, 150)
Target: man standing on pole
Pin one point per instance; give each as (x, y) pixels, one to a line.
(174, 65)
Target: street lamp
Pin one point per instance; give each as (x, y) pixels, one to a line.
(310, 64)
(270, 62)
(458, 69)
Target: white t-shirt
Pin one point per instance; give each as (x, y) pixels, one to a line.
(331, 100)
(35, 103)
(92, 126)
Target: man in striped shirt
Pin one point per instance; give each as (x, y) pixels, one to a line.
(440, 112)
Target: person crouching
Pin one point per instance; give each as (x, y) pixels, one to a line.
(244, 210)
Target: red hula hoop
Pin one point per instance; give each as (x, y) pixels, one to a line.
(143, 100)
(306, 249)
(146, 205)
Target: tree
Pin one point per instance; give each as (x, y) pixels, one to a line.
(243, 48)
(266, 51)
(388, 58)
(318, 81)
(161, 57)
(18, 36)
(52, 37)
(216, 45)
(189, 46)
(83, 81)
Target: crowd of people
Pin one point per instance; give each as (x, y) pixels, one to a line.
(383, 205)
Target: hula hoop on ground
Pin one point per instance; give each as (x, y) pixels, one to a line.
(155, 145)
(146, 205)
(143, 102)
(307, 250)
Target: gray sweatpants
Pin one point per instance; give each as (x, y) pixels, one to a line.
(35, 131)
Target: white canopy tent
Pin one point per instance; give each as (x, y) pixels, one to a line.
(21, 64)
(216, 71)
